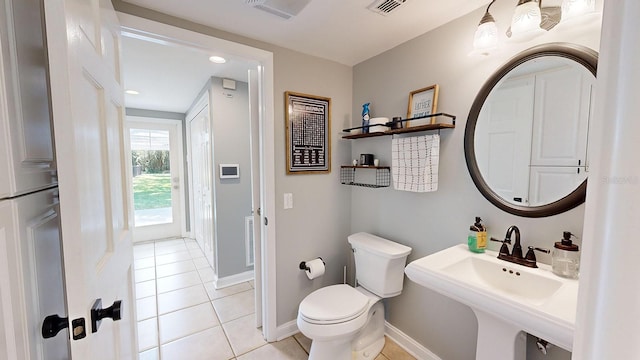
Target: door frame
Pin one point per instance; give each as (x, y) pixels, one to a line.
(163, 33)
(134, 121)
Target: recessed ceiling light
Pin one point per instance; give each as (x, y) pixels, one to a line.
(132, 92)
(217, 59)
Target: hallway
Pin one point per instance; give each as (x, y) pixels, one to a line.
(181, 315)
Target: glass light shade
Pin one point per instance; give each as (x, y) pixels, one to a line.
(574, 8)
(486, 37)
(527, 17)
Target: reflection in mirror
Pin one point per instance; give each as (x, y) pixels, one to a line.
(526, 137)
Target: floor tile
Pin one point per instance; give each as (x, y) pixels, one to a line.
(179, 281)
(235, 306)
(186, 322)
(196, 253)
(171, 249)
(201, 263)
(287, 349)
(229, 290)
(191, 244)
(145, 289)
(144, 263)
(143, 251)
(304, 341)
(146, 308)
(174, 268)
(147, 334)
(180, 299)
(207, 274)
(152, 354)
(145, 274)
(210, 344)
(243, 334)
(169, 242)
(173, 257)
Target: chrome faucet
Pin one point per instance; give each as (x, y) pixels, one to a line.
(516, 253)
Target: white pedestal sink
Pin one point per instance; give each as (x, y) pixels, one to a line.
(506, 298)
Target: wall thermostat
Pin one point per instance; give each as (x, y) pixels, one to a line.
(229, 171)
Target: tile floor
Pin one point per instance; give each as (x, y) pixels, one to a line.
(182, 316)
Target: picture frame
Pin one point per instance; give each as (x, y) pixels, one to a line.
(308, 133)
(423, 102)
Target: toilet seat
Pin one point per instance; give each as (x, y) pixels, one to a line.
(333, 304)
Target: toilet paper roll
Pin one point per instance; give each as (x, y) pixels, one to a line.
(315, 268)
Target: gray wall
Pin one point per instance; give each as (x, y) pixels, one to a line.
(318, 225)
(231, 145)
(433, 221)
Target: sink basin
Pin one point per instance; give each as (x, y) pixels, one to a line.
(503, 279)
(505, 297)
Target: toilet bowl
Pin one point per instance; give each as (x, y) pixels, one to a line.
(343, 322)
(348, 323)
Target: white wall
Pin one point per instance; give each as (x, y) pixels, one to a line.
(433, 221)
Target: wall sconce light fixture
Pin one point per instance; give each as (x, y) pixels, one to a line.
(529, 18)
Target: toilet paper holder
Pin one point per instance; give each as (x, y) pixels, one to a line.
(303, 264)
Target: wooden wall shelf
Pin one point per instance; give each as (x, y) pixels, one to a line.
(412, 129)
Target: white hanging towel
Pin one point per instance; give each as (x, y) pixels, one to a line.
(415, 163)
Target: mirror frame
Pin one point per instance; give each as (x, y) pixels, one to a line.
(580, 54)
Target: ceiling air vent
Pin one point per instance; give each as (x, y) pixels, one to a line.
(385, 7)
(285, 9)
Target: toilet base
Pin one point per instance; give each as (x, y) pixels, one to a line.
(370, 352)
(335, 350)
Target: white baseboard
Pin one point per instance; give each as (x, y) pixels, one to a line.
(403, 340)
(411, 346)
(233, 279)
(285, 330)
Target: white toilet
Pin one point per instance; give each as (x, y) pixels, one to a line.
(348, 323)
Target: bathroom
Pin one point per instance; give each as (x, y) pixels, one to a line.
(326, 212)
(430, 222)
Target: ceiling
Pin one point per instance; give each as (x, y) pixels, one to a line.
(170, 77)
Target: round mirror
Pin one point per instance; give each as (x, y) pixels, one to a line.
(526, 136)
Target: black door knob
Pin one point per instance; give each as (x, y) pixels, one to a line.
(52, 325)
(98, 313)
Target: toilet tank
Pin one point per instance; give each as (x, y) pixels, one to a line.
(379, 263)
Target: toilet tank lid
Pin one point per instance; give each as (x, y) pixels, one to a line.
(378, 245)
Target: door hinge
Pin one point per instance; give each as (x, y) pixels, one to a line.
(266, 221)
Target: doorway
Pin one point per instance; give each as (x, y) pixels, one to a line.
(155, 148)
(262, 63)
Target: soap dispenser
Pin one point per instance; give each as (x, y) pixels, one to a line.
(477, 239)
(565, 257)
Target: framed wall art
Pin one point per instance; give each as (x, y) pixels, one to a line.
(308, 133)
(423, 102)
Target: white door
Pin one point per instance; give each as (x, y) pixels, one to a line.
(88, 115)
(550, 183)
(155, 150)
(561, 117)
(254, 113)
(505, 125)
(31, 282)
(202, 183)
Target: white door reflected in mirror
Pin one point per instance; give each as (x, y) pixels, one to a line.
(531, 134)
